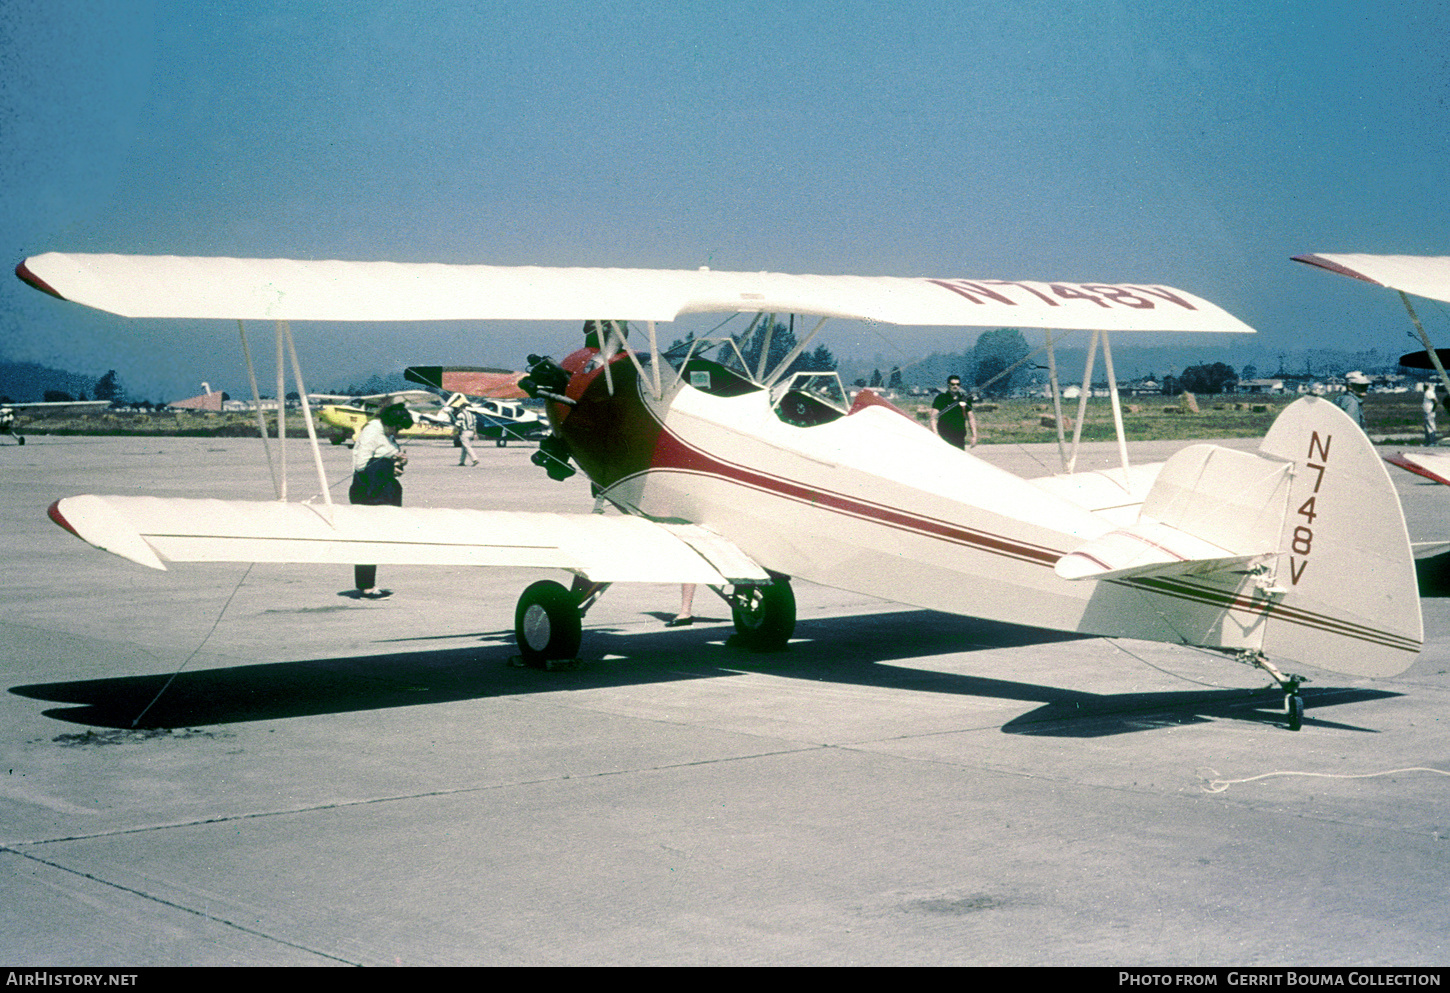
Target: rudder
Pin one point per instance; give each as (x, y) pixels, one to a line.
(1350, 602)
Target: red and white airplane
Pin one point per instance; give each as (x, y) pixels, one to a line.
(742, 478)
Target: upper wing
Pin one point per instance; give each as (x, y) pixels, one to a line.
(286, 289)
(1423, 275)
(153, 530)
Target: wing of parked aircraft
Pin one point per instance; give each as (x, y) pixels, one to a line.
(474, 381)
(154, 530)
(57, 407)
(1421, 275)
(293, 290)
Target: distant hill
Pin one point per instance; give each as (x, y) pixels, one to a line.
(26, 382)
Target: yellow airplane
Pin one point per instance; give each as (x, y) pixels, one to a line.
(351, 415)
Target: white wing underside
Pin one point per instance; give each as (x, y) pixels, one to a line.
(155, 530)
(287, 289)
(1422, 275)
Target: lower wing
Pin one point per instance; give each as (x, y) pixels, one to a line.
(154, 530)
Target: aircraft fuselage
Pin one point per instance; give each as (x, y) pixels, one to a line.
(870, 502)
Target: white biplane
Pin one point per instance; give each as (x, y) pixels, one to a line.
(741, 478)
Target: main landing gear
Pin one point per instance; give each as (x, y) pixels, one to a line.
(764, 615)
(1293, 702)
(548, 621)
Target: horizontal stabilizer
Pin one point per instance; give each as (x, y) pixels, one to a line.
(1421, 359)
(1151, 549)
(154, 530)
(1209, 509)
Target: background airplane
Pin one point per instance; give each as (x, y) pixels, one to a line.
(1418, 275)
(350, 413)
(740, 477)
(488, 396)
(10, 413)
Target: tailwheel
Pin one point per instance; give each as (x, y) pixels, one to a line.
(1294, 708)
(764, 615)
(1289, 683)
(547, 624)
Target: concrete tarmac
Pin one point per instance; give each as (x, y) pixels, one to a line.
(224, 765)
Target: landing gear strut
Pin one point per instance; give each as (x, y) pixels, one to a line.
(1293, 702)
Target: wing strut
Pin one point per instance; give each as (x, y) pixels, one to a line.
(1117, 404)
(283, 328)
(794, 352)
(285, 342)
(1087, 380)
(1056, 398)
(1087, 386)
(1429, 348)
(257, 405)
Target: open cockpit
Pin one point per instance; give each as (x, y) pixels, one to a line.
(717, 366)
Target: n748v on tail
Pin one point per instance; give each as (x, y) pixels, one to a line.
(742, 476)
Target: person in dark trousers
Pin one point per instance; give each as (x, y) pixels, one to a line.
(377, 462)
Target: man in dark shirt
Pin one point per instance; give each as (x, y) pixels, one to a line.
(951, 414)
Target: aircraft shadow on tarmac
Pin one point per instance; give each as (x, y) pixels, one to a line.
(1433, 575)
(853, 650)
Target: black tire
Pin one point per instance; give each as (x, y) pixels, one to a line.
(764, 615)
(20, 439)
(502, 442)
(547, 623)
(1294, 707)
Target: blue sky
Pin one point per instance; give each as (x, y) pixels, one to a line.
(1194, 145)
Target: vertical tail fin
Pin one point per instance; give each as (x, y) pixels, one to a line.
(1350, 602)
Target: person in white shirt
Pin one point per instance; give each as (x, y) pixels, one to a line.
(377, 462)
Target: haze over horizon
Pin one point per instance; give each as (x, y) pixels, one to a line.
(1117, 142)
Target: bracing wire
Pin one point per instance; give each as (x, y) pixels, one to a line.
(196, 651)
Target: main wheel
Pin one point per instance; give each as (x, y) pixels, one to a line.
(547, 623)
(765, 615)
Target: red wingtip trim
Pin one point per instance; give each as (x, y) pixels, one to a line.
(26, 276)
(1324, 263)
(55, 515)
(1406, 464)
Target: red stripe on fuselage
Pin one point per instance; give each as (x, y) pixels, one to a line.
(656, 448)
(672, 453)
